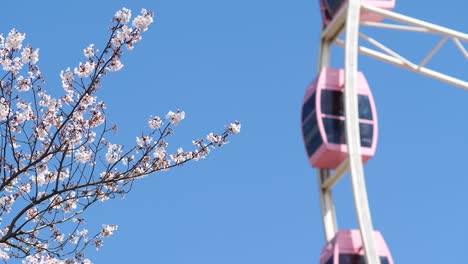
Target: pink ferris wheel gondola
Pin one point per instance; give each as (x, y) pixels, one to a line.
(323, 119)
(330, 8)
(346, 248)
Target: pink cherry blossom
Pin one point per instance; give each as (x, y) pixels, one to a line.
(59, 156)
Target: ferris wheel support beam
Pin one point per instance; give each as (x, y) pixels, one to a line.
(402, 64)
(410, 24)
(416, 22)
(353, 142)
(332, 179)
(335, 27)
(326, 196)
(327, 206)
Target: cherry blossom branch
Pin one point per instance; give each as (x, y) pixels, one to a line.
(56, 156)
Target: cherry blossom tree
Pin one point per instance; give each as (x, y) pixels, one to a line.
(55, 156)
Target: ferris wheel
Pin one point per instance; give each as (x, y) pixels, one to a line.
(339, 119)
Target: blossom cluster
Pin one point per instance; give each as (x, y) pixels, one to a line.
(57, 158)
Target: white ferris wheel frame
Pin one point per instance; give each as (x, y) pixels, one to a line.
(347, 20)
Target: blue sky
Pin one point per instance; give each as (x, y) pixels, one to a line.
(256, 200)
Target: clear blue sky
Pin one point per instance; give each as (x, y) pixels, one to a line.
(256, 200)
